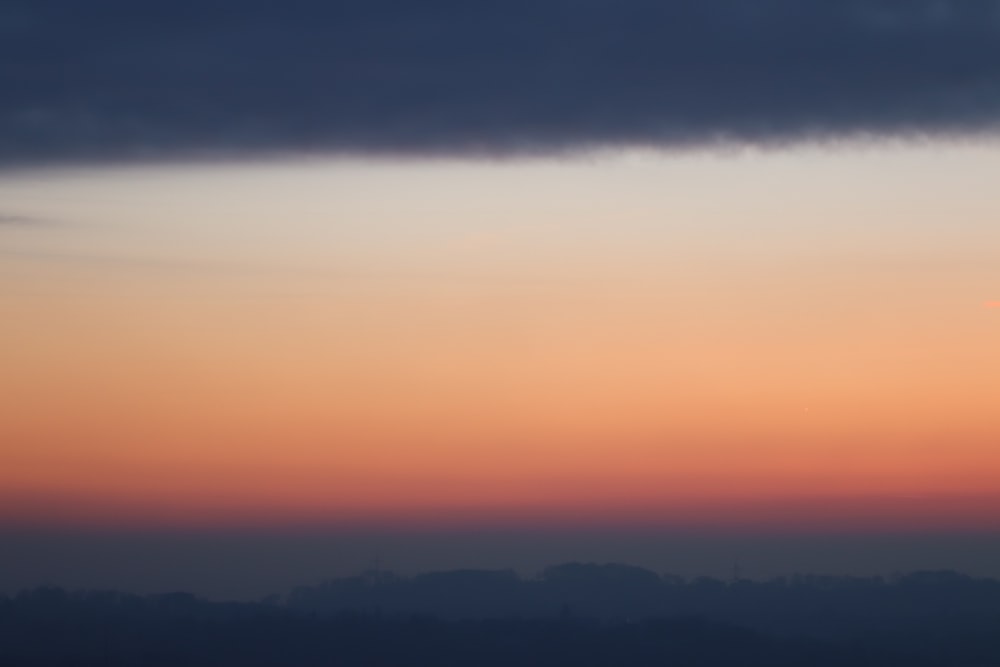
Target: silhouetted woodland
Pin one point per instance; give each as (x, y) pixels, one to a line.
(573, 614)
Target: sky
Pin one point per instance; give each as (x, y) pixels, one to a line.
(287, 289)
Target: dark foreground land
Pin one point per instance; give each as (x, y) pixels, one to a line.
(608, 615)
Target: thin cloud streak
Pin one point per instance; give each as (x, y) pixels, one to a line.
(20, 220)
(110, 80)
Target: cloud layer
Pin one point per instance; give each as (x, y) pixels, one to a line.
(119, 79)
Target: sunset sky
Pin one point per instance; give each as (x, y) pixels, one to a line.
(781, 321)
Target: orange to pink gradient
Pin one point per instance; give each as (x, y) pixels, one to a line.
(169, 413)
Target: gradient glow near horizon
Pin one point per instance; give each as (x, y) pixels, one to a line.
(794, 339)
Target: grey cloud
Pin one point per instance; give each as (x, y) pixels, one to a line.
(20, 220)
(118, 79)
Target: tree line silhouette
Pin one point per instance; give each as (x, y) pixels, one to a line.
(572, 614)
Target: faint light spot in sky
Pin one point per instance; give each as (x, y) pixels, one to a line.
(992, 304)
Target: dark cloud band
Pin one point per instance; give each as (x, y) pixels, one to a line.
(117, 79)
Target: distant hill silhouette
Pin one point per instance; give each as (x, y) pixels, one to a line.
(571, 614)
(810, 604)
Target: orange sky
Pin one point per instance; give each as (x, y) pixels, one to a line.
(524, 351)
